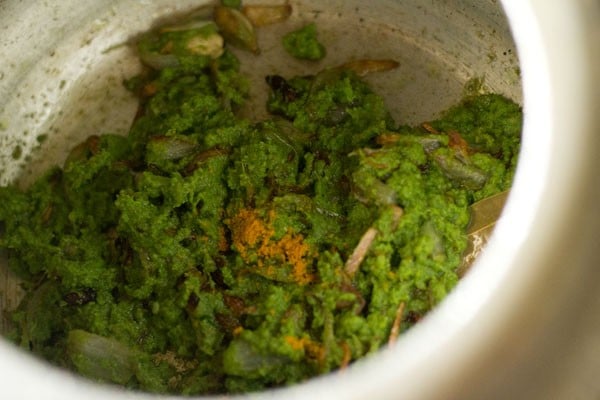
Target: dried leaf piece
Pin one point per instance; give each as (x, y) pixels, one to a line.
(475, 245)
(484, 215)
(236, 28)
(364, 67)
(260, 15)
(486, 212)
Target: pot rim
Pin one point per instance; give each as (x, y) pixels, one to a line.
(453, 354)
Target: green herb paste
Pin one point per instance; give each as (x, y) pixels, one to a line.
(204, 253)
(304, 44)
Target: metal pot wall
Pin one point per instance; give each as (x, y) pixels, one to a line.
(521, 324)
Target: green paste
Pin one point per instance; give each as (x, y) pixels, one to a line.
(304, 44)
(204, 253)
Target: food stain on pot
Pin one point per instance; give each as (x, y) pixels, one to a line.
(17, 152)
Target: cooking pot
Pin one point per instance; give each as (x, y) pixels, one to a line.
(523, 323)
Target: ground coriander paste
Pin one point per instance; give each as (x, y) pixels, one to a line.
(204, 253)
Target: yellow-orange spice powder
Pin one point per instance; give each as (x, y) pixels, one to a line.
(250, 232)
(312, 348)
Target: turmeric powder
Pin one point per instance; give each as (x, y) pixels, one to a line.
(252, 235)
(311, 348)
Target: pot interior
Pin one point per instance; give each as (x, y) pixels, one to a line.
(61, 81)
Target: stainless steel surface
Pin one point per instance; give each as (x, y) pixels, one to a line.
(522, 324)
